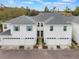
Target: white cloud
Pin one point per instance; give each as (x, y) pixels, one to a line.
(16, 2)
(54, 4)
(37, 0)
(59, 4)
(69, 1)
(46, 3)
(29, 2)
(11, 2)
(41, 2)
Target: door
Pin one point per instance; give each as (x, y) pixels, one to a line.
(40, 34)
(40, 37)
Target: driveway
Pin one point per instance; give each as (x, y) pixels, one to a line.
(39, 54)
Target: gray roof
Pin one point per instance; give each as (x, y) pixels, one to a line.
(42, 17)
(76, 19)
(21, 20)
(48, 18)
(59, 19)
(6, 33)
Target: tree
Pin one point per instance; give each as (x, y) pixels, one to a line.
(46, 9)
(2, 15)
(67, 10)
(54, 9)
(27, 10)
(76, 11)
(33, 13)
(7, 13)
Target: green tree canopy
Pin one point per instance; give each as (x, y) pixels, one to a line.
(76, 11)
(33, 13)
(46, 9)
(67, 9)
(7, 13)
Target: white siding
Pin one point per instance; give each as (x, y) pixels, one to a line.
(76, 32)
(57, 33)
(16, 41)
(22, 34)
(23, 31)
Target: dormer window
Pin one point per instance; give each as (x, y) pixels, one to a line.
(51, 28)
(5, 26)
(41, 24)
(29, 28)
(16, 28)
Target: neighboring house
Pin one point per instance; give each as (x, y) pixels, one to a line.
(18, 33)
(22, 32)
(75, 26)
(58, 32)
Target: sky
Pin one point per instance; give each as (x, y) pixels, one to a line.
(40, 4)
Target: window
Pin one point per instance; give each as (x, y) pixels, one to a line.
(25, 38)
(41, 33)
(41, 24)
(51, 28)
(16, 28)
(51, 38)
(29, 28)
(38, 24)
(65, 28)
(38, 33)
(63, 38)
(5, 26)
(32, 38)
(11, 38)
(29, 38)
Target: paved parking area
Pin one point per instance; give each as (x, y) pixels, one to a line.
(39, 54)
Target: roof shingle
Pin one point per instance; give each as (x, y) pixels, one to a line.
(21, 20)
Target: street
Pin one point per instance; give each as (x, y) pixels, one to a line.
(39, 54)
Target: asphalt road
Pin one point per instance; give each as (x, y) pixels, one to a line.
(39, 54)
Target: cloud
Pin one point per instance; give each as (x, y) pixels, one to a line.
(11, 2)
(40, 1)
(46, 3)
(19, 1)
(70, 1)
(56, 4)
(32, 3)
(59, 4)
(29, 2)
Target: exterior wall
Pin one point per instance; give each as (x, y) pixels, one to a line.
(40, 28)
(23, 31)
(22, 34)
(75, 30)
(58, 33)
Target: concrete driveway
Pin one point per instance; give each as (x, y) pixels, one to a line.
(39, 54)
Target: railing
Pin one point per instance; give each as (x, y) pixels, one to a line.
(15, 38)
